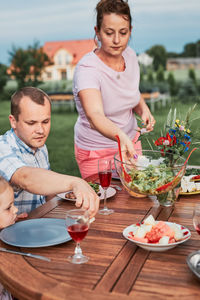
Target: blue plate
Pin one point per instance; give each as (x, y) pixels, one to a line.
(36, 233)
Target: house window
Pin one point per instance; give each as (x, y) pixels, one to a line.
(63, 74)
(59, 59)
(67, 59)
(49, 75)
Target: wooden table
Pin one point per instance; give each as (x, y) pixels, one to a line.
(117, 269)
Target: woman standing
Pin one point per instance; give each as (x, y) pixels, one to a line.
(106, 91)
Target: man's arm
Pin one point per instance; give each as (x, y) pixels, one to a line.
(46, 182)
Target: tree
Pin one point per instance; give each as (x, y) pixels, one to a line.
(27, 65)
(173, 55)
(172, 84)
(141, 74)
(187, 89)
(192, 50)
(160, 74)
(189, 50)
(150, 76)
(192, 75)
(159, 54)
(3, 76)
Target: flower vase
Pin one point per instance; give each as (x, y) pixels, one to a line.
(169, 198)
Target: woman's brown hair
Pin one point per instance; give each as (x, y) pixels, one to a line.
(119, 7)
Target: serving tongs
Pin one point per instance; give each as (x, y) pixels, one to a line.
(165, 186)
(25, 254)
(126, 175)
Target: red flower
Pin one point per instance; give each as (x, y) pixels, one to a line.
(159, 141)
(171, 140)
(174, 140)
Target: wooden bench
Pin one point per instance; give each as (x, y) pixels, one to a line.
(156, 98)
(60, 99)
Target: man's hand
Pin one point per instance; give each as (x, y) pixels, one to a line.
(86, 196)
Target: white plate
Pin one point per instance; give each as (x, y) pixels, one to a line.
(157, 247)
(110, 193)
(36, 233)
(189, 193)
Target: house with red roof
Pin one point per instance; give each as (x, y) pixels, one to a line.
(64, 56)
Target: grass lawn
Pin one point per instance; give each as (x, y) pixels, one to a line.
(60, 142)
(182, 75)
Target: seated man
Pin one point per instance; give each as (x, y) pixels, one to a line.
(24, 156)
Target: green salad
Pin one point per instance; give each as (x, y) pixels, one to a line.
(95, 186)
(149, 179)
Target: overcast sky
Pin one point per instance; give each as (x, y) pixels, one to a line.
(171, 23)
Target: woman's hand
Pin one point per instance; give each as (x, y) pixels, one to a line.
(127, 147)
(148, 120)
(143, 111)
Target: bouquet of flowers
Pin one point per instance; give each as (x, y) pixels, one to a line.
(177, 136)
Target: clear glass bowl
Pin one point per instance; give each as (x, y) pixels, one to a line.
(151, 173)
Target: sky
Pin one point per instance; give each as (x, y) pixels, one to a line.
(171, 23)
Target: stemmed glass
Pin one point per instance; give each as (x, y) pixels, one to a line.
(77, 222)
(196, 218)
(105, 174)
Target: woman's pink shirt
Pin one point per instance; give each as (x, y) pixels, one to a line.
(120, 94)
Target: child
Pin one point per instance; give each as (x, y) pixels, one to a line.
(8, 215)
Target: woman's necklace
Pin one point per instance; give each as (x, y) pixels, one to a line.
(118, 76)
(119, 67)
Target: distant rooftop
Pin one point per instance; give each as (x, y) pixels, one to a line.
(75, 47)
(184, 60)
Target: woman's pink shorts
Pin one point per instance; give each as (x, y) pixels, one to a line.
(88, 160)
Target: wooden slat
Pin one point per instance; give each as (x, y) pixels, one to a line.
(113, 273)
(44, 209)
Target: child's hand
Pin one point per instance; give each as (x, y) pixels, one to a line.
(21, 216)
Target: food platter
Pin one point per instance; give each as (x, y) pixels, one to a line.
(190, 185)
(189, 193)
(157, 247)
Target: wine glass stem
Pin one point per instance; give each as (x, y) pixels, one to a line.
(105, 198)
(78, 250)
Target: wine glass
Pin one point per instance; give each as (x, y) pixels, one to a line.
(105, 174)
(77, 222)
(196, 218)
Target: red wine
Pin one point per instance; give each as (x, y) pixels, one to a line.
(78, 231)
(105, 178)
(198, 228)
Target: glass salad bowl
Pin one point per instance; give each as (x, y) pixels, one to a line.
(152, 173)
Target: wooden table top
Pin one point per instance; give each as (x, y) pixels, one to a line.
(117, 269)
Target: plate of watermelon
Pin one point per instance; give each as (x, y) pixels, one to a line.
(155, 235)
